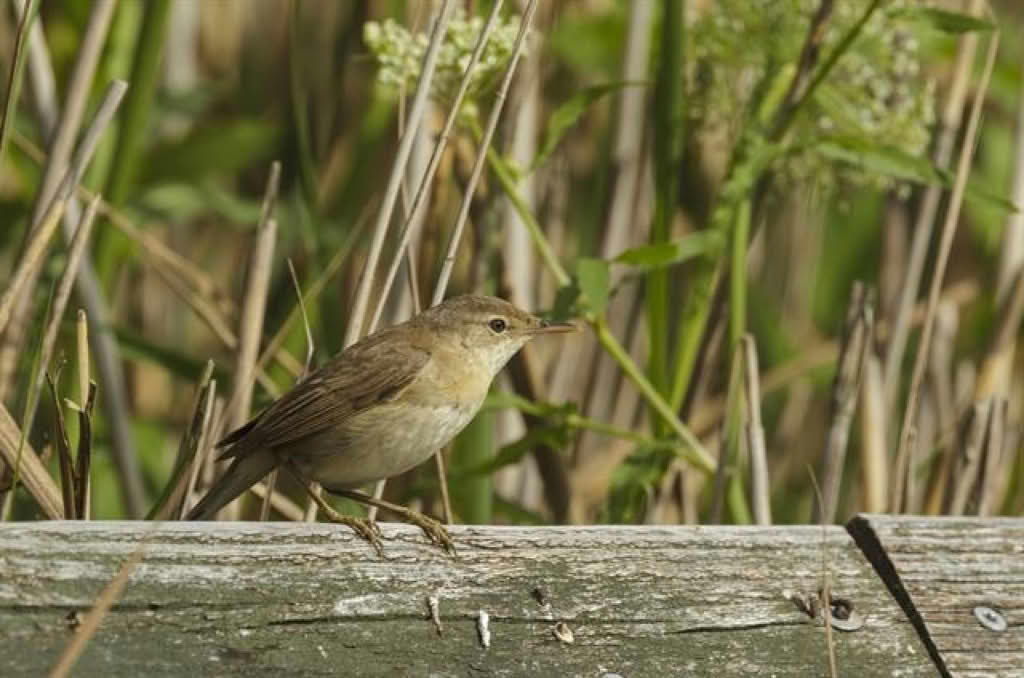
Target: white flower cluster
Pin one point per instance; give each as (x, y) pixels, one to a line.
(400, 54)
(876, 92)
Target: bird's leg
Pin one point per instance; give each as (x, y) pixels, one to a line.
(434, 530)
(367, 529)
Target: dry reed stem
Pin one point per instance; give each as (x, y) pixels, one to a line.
(997, 366)
(968, 462)
(60, 299)
(254, 304)
(419, 105)
(481, 157)
(279, 502)
(104, 346)
(760, 487)
(434, 162)
(626, 225)
(202, 443)
(408, 228)
(1011, 253)
(988, 494)
(945, 245)
(84, 383)
(826, 583)
(82, 349)
(475, 174)
(271, 481)
(63, 293)
(176, 491)
(949, 123)
(853, 353)
(79, 85)
(205, 298)
(18, 454)
(54, 169)
(29, 263)
(874, 449)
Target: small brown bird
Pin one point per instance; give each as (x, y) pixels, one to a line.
(382, 406)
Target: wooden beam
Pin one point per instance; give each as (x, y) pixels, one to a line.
(960, 581)
(310, 599)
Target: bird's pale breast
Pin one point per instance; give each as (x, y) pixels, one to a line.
(392, 437)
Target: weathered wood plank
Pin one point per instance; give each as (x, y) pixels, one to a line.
(948, 567)
(307, 599)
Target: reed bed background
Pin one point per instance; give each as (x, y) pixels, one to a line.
(787, 228)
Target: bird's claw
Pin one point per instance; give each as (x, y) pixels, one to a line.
(435, 531)
(366, 529)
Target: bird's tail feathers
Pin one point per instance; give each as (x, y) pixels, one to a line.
(243, 473)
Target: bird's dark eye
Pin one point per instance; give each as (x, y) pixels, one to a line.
(497, 325)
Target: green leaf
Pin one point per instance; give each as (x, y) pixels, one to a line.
(697, 244)
(942, 20)
(886, 160)
(977, 192)
(592, 276)
(565, 305)
(893, 162)
(567, 115)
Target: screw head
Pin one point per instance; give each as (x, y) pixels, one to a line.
(990, 618)
(842, 616)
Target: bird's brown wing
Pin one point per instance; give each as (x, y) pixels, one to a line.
(376, 369)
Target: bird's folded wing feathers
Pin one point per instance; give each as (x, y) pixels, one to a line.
(367, 373)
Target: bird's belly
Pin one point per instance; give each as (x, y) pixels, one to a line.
(381, 443)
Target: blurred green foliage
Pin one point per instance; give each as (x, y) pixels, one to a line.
(301, 82)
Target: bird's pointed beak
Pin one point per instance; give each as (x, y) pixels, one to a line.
(552, 328)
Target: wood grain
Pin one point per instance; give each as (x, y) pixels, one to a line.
(947, 567)
(309, 599)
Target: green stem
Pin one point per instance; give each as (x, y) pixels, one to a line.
(668, 104)
(694, 452)
(737, 499)
(474, 448)
(503, 400)
(738, 275)
(696, 455)
(691, 328)
(508, 183)
(505, 177)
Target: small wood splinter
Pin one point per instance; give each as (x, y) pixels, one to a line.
(483, 621)
(434, 605)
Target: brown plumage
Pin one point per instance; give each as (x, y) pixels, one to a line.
(383, 405)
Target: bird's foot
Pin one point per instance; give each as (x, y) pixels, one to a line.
(367, 529)
(435, 531)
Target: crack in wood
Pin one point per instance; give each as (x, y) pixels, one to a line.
(867, 540)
